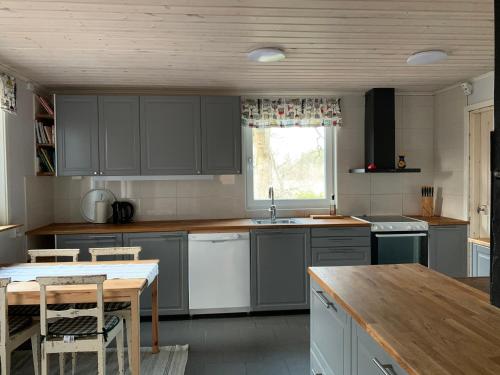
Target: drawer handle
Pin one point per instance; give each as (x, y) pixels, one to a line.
(385, 369)
(324, 300)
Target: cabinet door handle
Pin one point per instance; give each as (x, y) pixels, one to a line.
(385, 369)
(324, 300)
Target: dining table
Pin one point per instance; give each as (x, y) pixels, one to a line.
(125, 281)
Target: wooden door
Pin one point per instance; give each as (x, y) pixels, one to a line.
(119, 145)
(170, 135)
(221, 134)
(481, 126)
(77, 133)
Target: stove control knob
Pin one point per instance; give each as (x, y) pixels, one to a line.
(390, 227)
(375, 227)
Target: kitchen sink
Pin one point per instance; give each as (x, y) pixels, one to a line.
(276, 222)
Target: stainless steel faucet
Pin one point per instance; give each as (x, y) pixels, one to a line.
(272, 209)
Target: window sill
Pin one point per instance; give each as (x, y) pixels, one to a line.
(3, 228)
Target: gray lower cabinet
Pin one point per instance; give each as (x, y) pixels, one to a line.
(368, 358)
(448, 249)
(340, 246)
(86, 241)
(278, 269)
(221, 134)
(330, 335)
(77, 135)
(119, 142)
(480, 261)
(339, 346)
(170, 135)
(171, 250)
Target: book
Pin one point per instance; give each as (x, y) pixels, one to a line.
(45, 104)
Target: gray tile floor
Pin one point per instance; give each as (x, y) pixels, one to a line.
(256, 345)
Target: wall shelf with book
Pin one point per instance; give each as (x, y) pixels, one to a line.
(44, 137)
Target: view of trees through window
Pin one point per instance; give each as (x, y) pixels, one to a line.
(292, 160)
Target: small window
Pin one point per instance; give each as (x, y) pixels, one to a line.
(296, 161)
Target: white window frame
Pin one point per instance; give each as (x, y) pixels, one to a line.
(4, 212)
(304, 204)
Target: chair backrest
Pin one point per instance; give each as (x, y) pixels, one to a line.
(59, 253)
(71, 313)
(96, 252)
(4, 321)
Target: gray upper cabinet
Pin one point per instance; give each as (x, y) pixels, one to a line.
(119, 142)
(86, 241)
(448, 249)
(171, 250)
(221, 135)
(279, 261)
(170, 135)
(77, 135)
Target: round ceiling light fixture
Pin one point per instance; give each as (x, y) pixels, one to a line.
(427, 57)
(266, 55)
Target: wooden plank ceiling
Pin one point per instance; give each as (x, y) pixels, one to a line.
(331, 44)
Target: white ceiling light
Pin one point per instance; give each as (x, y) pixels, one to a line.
(266, 55)
(426, 57)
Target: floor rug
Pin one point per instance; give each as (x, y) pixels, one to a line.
(170, 361)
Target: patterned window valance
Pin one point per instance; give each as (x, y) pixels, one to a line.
(8, 93)
(281, 112)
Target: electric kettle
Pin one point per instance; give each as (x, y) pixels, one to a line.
(123, 212)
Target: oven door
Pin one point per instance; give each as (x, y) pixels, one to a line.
(400, 247)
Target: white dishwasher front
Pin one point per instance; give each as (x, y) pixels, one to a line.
(219, 273)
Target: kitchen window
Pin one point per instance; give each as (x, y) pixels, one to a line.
(298, 162)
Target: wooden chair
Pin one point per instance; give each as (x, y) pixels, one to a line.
(79, 330)
(96, 252)
(14, 331)
(34, 310)
(57, 253)
(122, 309)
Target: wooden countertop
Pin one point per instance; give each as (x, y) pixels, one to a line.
(480, 241)
(3, 228)
(481, 283)
(188, 226)
(440, 220)
(429, 323)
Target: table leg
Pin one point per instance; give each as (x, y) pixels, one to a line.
(154, 316)
(135, 349)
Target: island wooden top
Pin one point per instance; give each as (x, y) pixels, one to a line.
(188, 226)
(440, 220)
(480, 241)
(429, 323)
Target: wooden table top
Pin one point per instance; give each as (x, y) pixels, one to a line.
(480, 241)
(481, 283)
(187, 226)
(28, 292)
(429, 323)
(440, 220)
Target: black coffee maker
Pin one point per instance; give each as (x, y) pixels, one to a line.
(123, 212)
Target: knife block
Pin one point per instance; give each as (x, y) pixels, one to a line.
(427, 206)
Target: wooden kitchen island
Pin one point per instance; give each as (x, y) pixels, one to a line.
(400, 319)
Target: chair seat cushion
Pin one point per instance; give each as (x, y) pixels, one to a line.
(108, 306)
(83, 326)
(18, 323)
(34, 310)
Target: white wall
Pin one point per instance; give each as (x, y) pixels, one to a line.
(451, 145)
(225, 198)
(20, 164)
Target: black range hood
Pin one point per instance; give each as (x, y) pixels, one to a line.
(380, 133)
